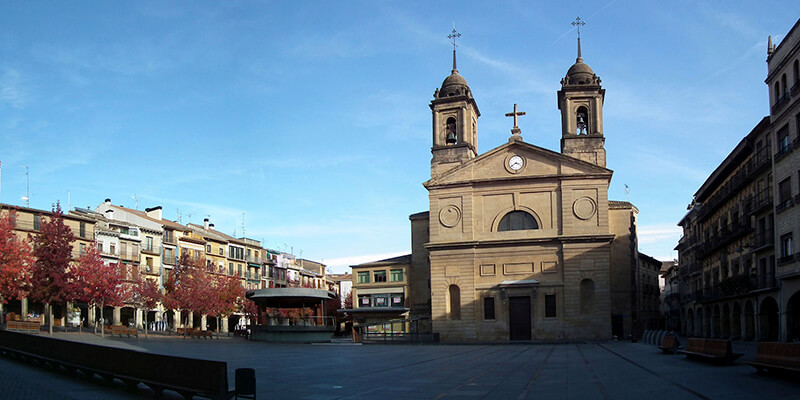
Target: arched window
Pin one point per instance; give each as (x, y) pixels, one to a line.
(455, 302)
(777, 91)
(582, 120)
(587, 296)
(452, 135)
(783, 83)
(517, 221)
(796, 70)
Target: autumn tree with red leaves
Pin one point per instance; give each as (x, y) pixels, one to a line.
(52, 248)
(97, 283)
(187, 286)
(227, 291)
(146, 295)
(15, 262)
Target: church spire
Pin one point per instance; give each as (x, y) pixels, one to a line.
(452, 36)
(578, 24)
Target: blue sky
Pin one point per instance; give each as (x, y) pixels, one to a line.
(309, 121)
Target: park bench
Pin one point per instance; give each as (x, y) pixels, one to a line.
(713, 350)
(670, 344)
(23, 326)
(124, 330)
(203, 334)
(776, 356)
(186, 376)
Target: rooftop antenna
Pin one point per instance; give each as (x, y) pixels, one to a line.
(243, 235)
(27, 196)
(135, 199)
(627, 193)
(178, 212)
(69, 202)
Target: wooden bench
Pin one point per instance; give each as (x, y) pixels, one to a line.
(203, 334)
(670, 344)
(124, 330)
(776, 356)
(720, 351)
(186, 376)
(24, 326)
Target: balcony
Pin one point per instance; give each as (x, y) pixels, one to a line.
(257, 260)
(169, 239)
(759, 201)
(795, 89)
(787, 259)
(784, 150)
(779, 104)
(129, 255)
(760, 159)
(726, 235)
(154, 250)
(788, 203)
(109, 253)
(762, 240)
(730, 188)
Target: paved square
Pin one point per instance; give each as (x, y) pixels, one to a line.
(320, 372)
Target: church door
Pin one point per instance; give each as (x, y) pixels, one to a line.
(519, 318)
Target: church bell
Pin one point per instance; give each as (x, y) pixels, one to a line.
(451, 138)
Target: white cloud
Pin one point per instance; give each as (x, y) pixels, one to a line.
(12, 90)
(659, 233)
(342, 264)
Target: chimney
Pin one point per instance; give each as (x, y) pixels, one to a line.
(153, 212)
(108, 202)
(211, 226)
(205, 223)
(110, 213)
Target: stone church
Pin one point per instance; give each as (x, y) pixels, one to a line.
(518, 241)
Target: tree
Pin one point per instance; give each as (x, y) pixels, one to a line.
(52, 248)
(227, 291)
(146, 295)
(98, 283)
(187, 286)
(15, 263)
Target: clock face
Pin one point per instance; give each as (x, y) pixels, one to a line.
(516, 163)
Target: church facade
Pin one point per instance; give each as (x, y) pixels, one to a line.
(519, 239)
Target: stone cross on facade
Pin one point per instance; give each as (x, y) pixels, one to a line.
(515, 130)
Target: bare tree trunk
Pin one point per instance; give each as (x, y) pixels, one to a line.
(145, 324)
(102, 321)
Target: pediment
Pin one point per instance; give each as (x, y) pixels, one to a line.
(537, 162)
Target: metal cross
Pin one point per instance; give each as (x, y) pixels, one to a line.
(515, 114)
(578, 24)
(453, 35)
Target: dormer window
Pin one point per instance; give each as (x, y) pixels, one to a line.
(452, 135)
(582, 121)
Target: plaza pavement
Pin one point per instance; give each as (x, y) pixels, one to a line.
(607, 370)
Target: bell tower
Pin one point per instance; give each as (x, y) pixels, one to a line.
(455, 121)
(581, 103)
